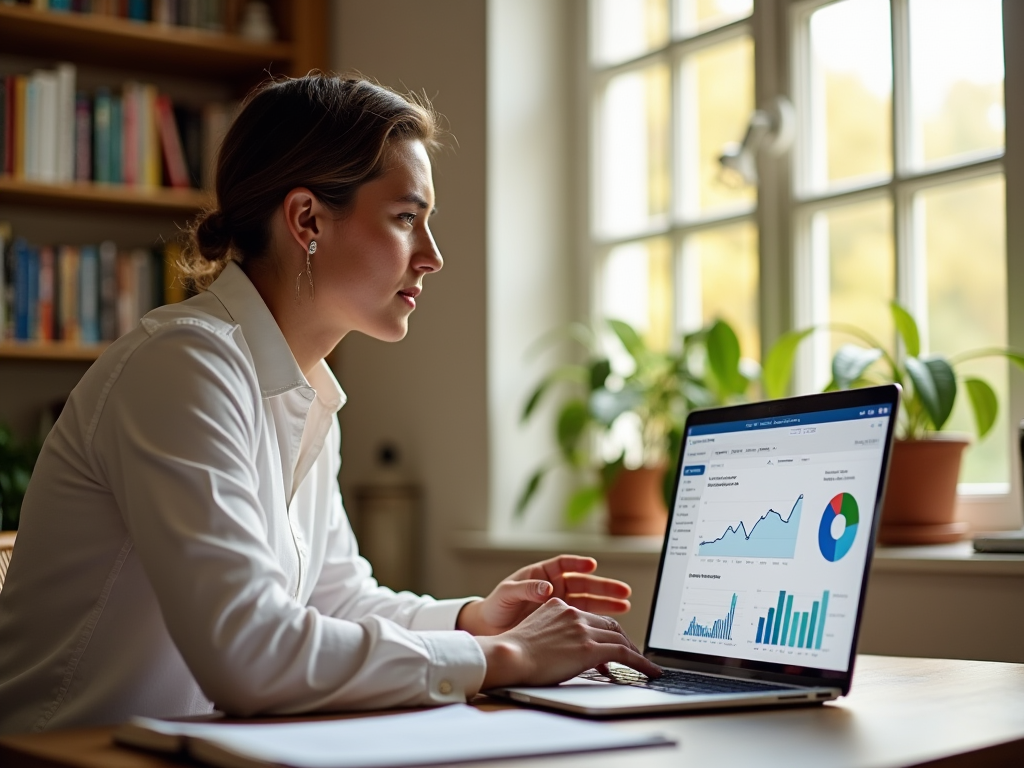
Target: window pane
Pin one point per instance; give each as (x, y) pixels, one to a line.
(850, 93)
(637, 288)
(964, 238)
(696, 16)
(716, 101)
(632, 148)
(956, 65)
(625, 29)
(854, 276)
(718, 278)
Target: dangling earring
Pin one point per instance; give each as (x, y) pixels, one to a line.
(309, 272)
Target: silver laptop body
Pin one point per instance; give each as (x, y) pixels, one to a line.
(764, 564)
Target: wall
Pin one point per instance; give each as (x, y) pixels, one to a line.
(428, 394)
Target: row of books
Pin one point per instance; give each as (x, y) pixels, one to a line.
(81, 294)
(201, 14)
(51, 132)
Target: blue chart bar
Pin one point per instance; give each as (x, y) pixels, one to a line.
(721, 629)
(784, 626)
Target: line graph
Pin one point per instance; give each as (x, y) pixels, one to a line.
(770, 536)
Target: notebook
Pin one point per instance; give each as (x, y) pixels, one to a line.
(764, 563)
(454, 734)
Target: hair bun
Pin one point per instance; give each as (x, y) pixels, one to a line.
(213, 236)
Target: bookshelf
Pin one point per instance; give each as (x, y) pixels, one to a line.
(32, 373)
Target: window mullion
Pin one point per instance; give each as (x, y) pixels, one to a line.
(911, 275)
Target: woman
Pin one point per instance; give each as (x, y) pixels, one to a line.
(183, 543)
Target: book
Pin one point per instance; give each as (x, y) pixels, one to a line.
(4, 131)
(130, 152)
(453, 734)
(170, 142)
(45, 126)
(22, 255)
(127, 301)
(18, 126)
(44, 306)
(108, 290)
(116, 140)
(64, 129)
(68, 278)
(83, 138)
(30, 126)
(149, 137)
(174, 287)
(5, 298)
(102, 122)
(89, 295)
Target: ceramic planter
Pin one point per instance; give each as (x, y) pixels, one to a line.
(920, 499)
(636, 505)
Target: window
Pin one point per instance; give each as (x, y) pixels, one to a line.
(893, 189)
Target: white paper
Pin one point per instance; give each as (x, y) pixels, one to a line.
(447, 735)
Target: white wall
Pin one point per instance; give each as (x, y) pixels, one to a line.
(531, 264)
(428, 394)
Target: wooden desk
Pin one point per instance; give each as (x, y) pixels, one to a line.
(901, 712)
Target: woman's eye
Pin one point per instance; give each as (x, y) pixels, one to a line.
(408, 218)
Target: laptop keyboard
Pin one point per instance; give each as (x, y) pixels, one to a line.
(680, 682)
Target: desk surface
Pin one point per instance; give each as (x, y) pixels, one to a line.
(900, 712)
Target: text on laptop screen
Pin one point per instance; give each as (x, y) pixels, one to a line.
(769, 537)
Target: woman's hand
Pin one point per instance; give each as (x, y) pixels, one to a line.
(568, 578)
(556, 642)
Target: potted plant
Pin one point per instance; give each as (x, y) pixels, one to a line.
(16, 463)
(655, 390)
(920, 499)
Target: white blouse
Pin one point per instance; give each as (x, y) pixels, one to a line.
(183, 543)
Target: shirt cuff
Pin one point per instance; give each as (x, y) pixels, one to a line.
(439, 615)
(457, 666)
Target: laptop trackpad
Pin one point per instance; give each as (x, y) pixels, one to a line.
(594, 696)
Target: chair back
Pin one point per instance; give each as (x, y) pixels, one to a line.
(6, 548)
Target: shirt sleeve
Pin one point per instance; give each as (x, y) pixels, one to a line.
(176, 442)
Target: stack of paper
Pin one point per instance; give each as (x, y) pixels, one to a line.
(458, 733)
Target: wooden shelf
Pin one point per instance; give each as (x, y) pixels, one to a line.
(116, 198)
(111, 41)
(51, 350)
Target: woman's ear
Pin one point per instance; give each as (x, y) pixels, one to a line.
(303, 216)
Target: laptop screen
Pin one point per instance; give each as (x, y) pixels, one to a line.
(770, 536)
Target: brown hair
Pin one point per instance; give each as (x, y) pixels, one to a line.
(327, 133)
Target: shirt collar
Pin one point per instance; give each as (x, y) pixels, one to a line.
(276, 368)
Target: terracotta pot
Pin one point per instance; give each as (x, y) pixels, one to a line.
(636, 505)
(920, 499)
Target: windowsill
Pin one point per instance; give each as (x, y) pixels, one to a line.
(958, 558)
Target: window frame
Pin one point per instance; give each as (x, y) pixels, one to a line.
(782, 208)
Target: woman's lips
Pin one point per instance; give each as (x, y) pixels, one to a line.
(409, 296)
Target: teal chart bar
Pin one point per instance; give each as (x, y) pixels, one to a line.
(721, 629)
(786, 627)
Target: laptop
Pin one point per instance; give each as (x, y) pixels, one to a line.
(764, 564)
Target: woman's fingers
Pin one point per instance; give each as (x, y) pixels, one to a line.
(528, 591)
(587, 584)
(601, 605)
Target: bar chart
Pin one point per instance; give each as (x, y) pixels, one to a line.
(794, 628)
(720, 629)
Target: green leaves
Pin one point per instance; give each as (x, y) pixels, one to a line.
(934, 386)
(572, 420)
(778, 364)
(630, 339)
(850, 363)
(530, 490)
(581, 502)
(984, 403)
(723, 348)
(906, 326)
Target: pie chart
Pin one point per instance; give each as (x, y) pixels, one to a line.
(834, 537)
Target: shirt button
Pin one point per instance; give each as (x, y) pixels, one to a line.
(445, 687)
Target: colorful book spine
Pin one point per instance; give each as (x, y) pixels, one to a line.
(101, 139)
(64, 129)
(130, 151)
(5, 303)
(68, 280)
(149, 137)
(108, 290)
(170, 141)
(116, 140)
(44, 306)
(83, 138)
(88, 299)
(19, 124)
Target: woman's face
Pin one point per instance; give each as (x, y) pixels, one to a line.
(369, 267)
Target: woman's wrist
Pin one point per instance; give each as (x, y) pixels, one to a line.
(468, 618)
(505, 661)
